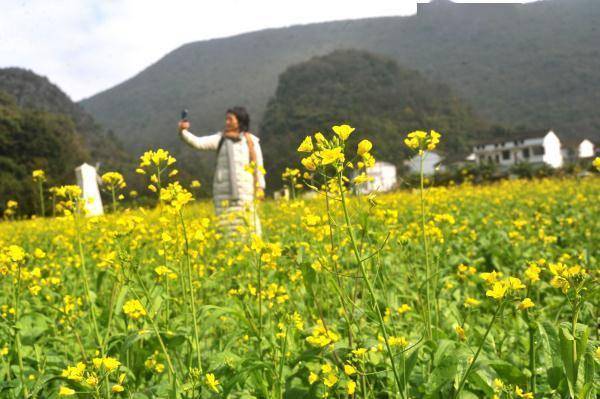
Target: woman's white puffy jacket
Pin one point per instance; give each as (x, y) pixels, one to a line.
(231, 181)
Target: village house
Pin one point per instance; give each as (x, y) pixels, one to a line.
(431, 163)
(574, 149)
(383, 176)
(536, 147)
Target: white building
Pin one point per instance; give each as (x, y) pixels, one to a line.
(541, 147)
(87, 180)
(573, 150)
(431, 163)
(384, 178)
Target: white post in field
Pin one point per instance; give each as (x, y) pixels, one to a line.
(87, 180)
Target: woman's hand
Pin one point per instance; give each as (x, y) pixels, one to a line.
(184, 125)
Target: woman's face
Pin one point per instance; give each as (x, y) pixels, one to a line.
(231, 123)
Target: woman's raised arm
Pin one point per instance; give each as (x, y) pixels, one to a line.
(210, 142)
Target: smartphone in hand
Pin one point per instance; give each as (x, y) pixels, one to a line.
(184, 123)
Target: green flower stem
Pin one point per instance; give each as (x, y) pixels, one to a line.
(84, 278)
(487, 331)
(260, 318)
(17, 300)
(192, 294)
(426, 249)
(349, 316)
(114, 199)
(172, 374)
(532, 360)
(41, 190)
(369, 285)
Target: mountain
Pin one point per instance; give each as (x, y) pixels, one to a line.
(535, 65)
(34, 139)
(379, 98)
(41, 128)
(35, 92)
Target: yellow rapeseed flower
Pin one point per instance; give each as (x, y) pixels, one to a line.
(460, 332)
(349, 369)
(212, 382)
(306, 145)
(113, 180)
(498, 291)
(521, 394)
(38, 175)
(330, 380)
(364, 146)
(109, 363)
(64, 391)
(350, 387)
(343, 131)
(134, 309)
(526, 304)
(330, 156)
(471, 302)
(117, 388)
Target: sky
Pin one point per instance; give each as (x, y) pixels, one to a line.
(86, 46)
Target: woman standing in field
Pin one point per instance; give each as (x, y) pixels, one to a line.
(238, 178)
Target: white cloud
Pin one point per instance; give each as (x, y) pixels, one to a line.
(86, 46)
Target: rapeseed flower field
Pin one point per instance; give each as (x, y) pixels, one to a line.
(464, 291)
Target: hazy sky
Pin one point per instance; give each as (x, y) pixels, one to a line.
(86, 46)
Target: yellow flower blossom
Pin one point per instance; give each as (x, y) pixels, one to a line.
(350, 387)
(64, 391)
(134, 309)
(460, 332)
(306, 145)
(498, 290)
(349, 369)
(526, 304)
(212, 382)
(343, 131)
(330, 380)
(364, 146)
(329, 156)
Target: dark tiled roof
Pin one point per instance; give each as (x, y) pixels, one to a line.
(572, 142)
(530, 134)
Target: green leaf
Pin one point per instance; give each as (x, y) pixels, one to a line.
(446, 367)
(571, 351)
(406, 368)
(32, 326)
(508, 373)
(479, 379)
(121, 300)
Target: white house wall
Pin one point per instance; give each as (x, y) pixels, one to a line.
(384, 178)
(87, 179)
(586, 149)
(552, 151)
(546, 149)
(429, 163)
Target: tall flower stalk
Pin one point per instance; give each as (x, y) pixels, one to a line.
(421, 142)
(327, 156)
(174, 196)
(113, 182)
(39, 177)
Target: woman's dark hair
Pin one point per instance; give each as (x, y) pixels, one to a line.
(242, 116)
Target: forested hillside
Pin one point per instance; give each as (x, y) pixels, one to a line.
(380, 99)
(534, 65)
(33, 139)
